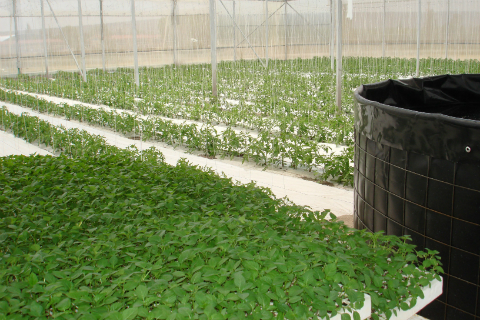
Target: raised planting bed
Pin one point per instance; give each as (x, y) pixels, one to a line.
(110, 236)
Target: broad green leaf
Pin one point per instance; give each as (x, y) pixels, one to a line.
(36, 309)
(141, 291)
(239, 280)
(346, 316)
(356, 316)
(197, 277)
(378, 281)
(64, 304)
(32, 279)
(404, 306)
(160, 312)
(178, 274)
(330, 270)
(129, 314)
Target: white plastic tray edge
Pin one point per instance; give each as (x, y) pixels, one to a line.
(430, 292)
(364, 312)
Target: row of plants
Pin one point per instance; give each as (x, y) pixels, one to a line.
(68, 142)
(297, 94)
(115, 236)
(295, 97)
(268, 148)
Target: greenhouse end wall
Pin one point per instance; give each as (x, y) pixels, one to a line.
(296, 29)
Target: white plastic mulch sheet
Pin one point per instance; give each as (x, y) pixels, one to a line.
(10, 145)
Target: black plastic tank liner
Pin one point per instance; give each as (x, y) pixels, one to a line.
(433, 116)
(417, 173)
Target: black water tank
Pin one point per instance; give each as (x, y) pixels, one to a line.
(417, 173)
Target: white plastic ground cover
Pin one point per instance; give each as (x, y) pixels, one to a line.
(10, 145)
(301, 192)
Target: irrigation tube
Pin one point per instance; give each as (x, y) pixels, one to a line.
(213, 44)
(419, 24)
(135, 49)
(339, 55)
(17, 45)
(82, 42)
(44, 38)
(64, 38)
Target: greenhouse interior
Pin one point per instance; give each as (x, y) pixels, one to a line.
(229, 159)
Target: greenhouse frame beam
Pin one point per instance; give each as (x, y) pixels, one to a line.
(245, 37)
(135, 48)
(243, 34)
(17, 45)
(213, 45)
(82, 41)
(419, 24)
(339, 55)
(44, 37)
(64, 38)
(102, 36)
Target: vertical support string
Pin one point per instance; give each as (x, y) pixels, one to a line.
(17, 45)
(135, 48)
(419, 24)
(102, 36)
(44, 38)
(266, 33)
(339, 55)
(234, 35)
(213, 45)
(332, 34)
(82, 41)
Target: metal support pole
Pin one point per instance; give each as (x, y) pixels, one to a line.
(286, 31)
(332, 34)
(174, 21)
(213, 45)
(17, 45)
(102, 36)
(82, 42)
(339, 55)
(383, 35)
(135, 49)
(266, 33)
(448, 26)
(44, 38)
(234, 35)
(419, 24)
